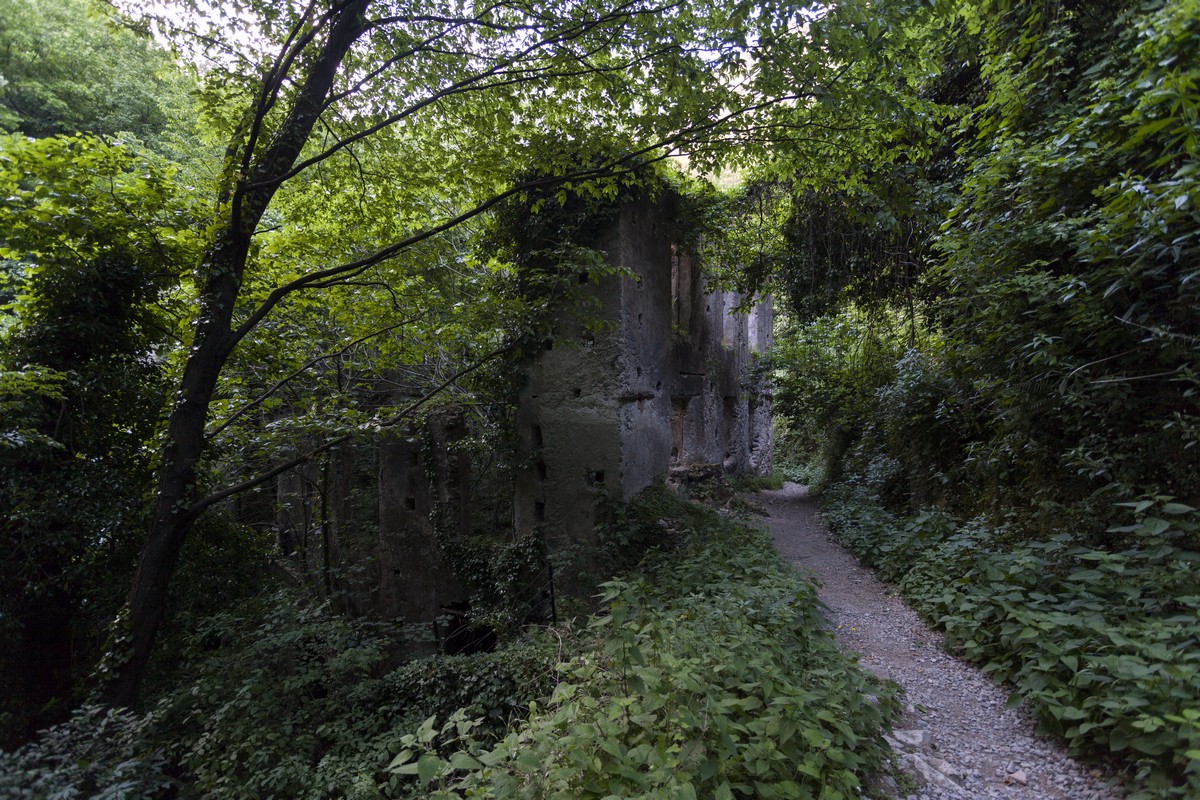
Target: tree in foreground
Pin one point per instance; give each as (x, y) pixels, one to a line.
(455, 99)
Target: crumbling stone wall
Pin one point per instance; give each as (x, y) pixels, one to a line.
(391, 565)
(668, 388)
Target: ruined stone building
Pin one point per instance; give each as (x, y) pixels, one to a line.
(669, 385)
(664, 387)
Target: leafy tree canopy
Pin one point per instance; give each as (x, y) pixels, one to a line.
(69, 66)
(364, 137)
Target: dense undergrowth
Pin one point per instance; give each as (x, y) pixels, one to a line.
(706, 671)
(298, 704)
(1011, 345)
(1104, 645)
(710, 675)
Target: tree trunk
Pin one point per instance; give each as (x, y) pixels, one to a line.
(223, 267)
(177, 474)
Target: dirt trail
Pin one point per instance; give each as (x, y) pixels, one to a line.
(958, 738)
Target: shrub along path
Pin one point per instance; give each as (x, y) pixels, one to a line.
(958, 738)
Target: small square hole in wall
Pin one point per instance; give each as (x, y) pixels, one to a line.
(410, 503)
(577, 391)
(539, 511)
(596, 477)
(548, 344)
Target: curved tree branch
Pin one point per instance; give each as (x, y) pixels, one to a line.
(256, 402)
(197, 507)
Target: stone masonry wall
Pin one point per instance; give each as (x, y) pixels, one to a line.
(667, 389)
(663, 389)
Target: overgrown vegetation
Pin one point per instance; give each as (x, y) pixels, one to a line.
(1104, 644)
(1014, 444)
(227, 263)
(281, 699)
(707, 671)
(709, 674)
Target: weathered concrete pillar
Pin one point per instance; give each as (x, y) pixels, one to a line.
(424, 486)
(450, 470)
(669, 369)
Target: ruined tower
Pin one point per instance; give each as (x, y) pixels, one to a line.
(667, 385)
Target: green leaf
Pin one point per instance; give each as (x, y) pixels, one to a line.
(428, 767)
(402, 758)
(464, 761)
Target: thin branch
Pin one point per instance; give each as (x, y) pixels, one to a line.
(465, 85)
(289, 51)
(400, 56)
(198, 507)
(256, 402)
(614, 169)
(1094, 363)
(1130, 378)
(285, 146)
(454, 22)
(1158, 332)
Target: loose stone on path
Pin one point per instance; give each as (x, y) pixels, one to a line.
(958, 740)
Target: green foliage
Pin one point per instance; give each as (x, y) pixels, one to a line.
(1058, 380)
(656, 521)
(713, 675)
(864, 246)
(738, 233)
(828, 372)
(1103, 644)
(1070, 260)
(363, 143)
(502, 574)
(68, 66)
(98, 754)
(922, 431)
(758, 483)
(93, 238)
(1059, 374)
(710, 671)
(286, 699)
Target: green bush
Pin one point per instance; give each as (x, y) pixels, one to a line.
(286, 699)
(1105, 646)
(757, 483)
(98, 754)
(712, 675)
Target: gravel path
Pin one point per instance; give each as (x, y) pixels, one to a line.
(958, 740)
